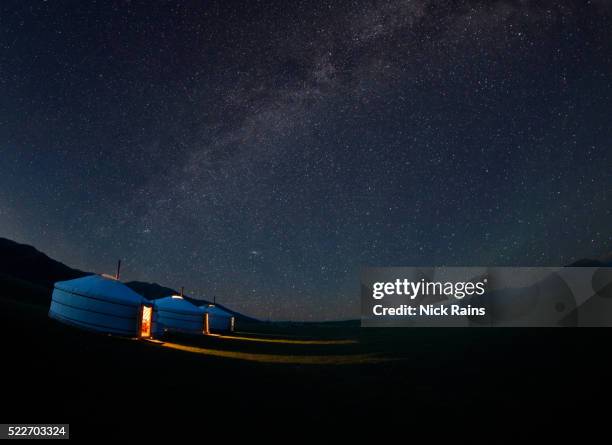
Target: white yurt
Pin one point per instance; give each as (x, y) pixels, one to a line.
(103, 304)
(175, 314)
(218, 319)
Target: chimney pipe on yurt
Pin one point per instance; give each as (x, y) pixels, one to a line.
(118, 270)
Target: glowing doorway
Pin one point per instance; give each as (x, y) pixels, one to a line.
(146, 317)
(206, 329)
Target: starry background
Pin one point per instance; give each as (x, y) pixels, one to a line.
(262, 152)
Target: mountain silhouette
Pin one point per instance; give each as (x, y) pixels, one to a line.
(150, 291)
(603, 261)
(23, 262)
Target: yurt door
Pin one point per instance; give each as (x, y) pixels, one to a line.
(206, 326)
(146, 316)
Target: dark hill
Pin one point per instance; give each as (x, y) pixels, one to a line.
(602, 261)
(26, 263)
(28, 274)
(152, 291)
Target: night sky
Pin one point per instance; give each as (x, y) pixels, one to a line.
(261, 152)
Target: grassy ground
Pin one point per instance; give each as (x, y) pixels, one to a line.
(307, 376)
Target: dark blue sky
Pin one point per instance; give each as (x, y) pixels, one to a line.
(264, 151)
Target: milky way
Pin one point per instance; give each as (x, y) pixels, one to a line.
(262, 153)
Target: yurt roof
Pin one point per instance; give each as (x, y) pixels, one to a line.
(216, 310)
(177, 304)
(97, 286)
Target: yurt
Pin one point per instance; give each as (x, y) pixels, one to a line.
(175, 314)
(218, 319)
(103, 304)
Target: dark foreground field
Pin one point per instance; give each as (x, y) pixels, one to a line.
(373, 379)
